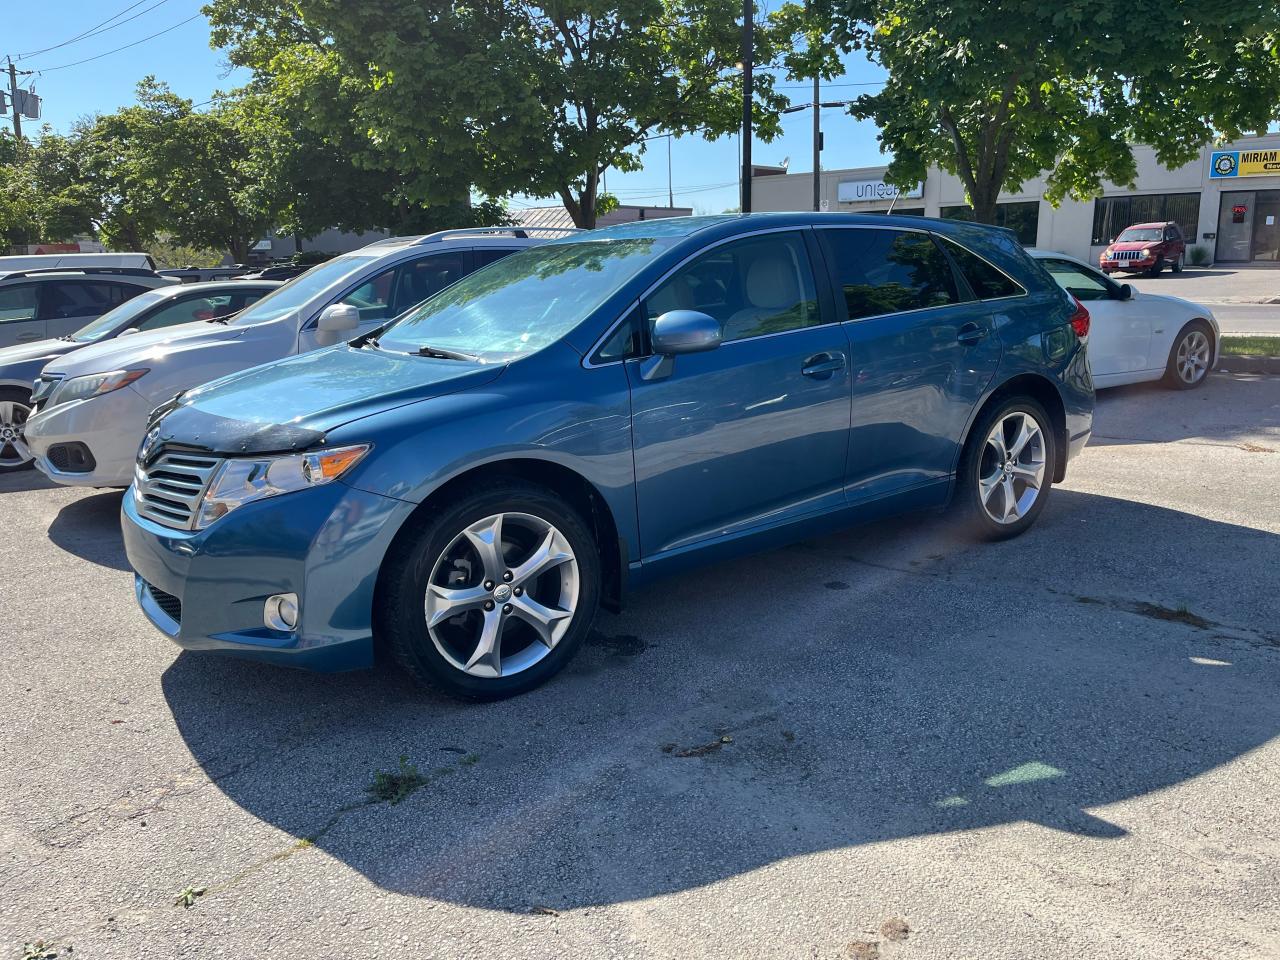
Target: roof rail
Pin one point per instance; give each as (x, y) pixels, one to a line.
(113, 271)
(521, 233)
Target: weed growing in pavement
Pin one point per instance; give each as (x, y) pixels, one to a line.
(38, 951)
(187, 898)
(394, 786)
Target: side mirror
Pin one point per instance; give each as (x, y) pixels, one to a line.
(335, 320)
(685, 331)
(1128, 292)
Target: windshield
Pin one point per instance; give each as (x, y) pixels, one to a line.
(299, 291)
(523, 302)
(1140, 235)
(124, 313)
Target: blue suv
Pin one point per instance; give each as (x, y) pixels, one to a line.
(468, 483)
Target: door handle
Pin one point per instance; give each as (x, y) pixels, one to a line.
(971, 333)
(823, 365)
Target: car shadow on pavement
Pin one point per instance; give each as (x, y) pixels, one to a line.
(21, 481)
(1235, 409)
(89, 527)
(887, 682)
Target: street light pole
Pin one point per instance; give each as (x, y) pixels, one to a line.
(817, 149)
(748, 44)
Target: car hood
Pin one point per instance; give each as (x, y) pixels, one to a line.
(135, 349)
(25, 353)
(1190, 306)
(290, 404)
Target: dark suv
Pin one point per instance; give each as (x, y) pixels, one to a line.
(1145, 248)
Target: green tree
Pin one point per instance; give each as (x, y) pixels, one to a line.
(44, 193)
(1000, 93)
(511, 97)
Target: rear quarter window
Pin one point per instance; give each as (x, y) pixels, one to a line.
(986, 281)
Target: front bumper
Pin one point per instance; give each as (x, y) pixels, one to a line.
(110, 426)
(1126, 266)
(205, 589)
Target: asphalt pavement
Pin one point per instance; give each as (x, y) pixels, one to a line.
(888, 742)
(1248, 318)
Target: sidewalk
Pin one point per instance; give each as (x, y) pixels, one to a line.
(1213, 284)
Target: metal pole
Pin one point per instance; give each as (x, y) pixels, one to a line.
(748, 44)
(671, 197)
(817, 149)
(13, 102)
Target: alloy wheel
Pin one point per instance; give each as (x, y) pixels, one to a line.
(1011, 469)
(502, 595)
(14, 451)
(1192, 361)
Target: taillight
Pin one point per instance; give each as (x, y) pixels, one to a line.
(1080, 320)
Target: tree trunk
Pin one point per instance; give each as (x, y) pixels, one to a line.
(984, 197)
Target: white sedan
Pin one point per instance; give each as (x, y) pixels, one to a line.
(1138, 336)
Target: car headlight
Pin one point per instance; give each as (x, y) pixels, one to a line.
(240, 481)
(94, 385)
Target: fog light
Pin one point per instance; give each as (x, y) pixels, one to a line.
(281, 612)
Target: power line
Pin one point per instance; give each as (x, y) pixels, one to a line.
(97, 33)
(118, 49)
(78, 36)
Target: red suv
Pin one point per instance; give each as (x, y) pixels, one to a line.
(1145, 248)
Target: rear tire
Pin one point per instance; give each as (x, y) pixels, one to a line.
(485, 623)
(1179, 263)
(1005, 473)
(15, 408)
(1189, 357)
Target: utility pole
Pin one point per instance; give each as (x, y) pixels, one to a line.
(13, 100)
(748, 51)
(671, 197)
(817, 149)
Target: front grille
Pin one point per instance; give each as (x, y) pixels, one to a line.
(167, 488)
(167, 602)
(1128, 255)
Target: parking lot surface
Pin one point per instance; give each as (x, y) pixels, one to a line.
(889, 742)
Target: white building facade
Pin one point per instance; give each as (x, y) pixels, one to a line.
(1227, 202)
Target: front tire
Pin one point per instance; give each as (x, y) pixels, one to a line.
(491, 594)
(1007, 469)
(1189, 357)
(15, 408)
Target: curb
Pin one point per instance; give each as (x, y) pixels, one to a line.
(1239, 363)
(1237, 301)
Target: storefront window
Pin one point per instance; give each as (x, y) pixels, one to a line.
(1113, 214)
(1022, 217)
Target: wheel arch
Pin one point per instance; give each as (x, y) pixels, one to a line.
(580, 492)
(1043, 391)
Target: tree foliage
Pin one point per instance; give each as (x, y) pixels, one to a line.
(45, 195)
(1000, 93)
(508, 96)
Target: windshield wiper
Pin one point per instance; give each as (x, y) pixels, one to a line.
(440, 353)
(226, 319)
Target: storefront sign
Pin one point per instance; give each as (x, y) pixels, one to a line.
(858, 191)
(1244, 163)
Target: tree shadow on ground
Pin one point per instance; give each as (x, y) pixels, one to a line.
(887, 682)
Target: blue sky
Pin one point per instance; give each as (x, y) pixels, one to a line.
(704, 173)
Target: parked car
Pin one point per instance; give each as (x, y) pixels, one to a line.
(52, 302)
(1138, 336)
(205, 274)
(277, 271)
(584, 416)
(155, 309)
(1146, 248)
(75, 261)
(91, 406)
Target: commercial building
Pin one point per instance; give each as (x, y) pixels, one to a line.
(1228, 200)
(558, 216)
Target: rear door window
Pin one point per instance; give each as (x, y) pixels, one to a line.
(756, 286)
(18, 303)
(889, 271)
(986, 281)
(83, 298)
